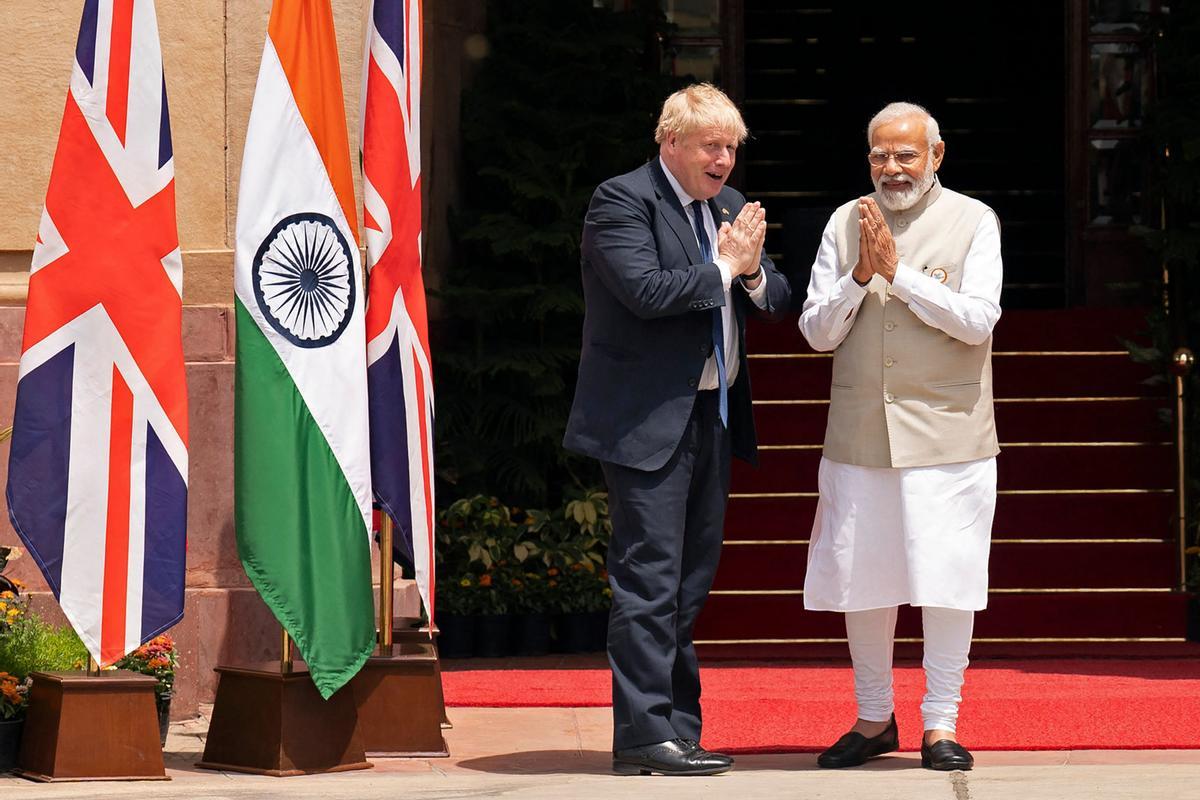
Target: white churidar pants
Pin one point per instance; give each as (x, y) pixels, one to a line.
(947, 642)
(889, 537)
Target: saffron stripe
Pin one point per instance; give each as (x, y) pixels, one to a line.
(117, 104)
(423, 417)
(116, 539)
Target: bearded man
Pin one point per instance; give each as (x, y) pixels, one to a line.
(905, 290)
(672, 264)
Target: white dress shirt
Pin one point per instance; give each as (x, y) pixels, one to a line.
(708, 378)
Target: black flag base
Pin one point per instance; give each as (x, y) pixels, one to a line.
(399, 697)
(268, 721)
(84, 727)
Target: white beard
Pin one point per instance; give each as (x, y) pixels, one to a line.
(906, 198)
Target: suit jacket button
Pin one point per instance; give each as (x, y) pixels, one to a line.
(706, 349)
(693, 383)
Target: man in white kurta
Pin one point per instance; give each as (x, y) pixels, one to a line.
(905, 290)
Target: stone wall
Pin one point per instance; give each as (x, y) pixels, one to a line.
(211, 51)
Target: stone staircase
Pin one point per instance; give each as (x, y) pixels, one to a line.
(1084, 543)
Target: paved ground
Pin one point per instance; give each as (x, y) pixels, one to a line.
(562, 753)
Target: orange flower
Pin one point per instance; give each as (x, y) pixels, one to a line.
(576, 567)
(552, 571)
(485, 580)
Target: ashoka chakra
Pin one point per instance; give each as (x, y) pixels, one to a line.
(304, 279)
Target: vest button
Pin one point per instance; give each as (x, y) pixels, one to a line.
(887, 362)
(693, 383)
(889, 397)
(902, 222)
(889, 326)
(706, 349)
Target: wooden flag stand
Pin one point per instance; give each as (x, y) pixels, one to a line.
(269, 719)
(398, 691)
(85, 727)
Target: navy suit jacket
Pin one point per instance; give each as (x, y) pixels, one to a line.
(647, 329)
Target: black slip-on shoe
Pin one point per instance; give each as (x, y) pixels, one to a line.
(672, 757)
(853, 749)
(946, 755)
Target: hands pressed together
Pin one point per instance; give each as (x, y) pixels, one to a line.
(876, 247)
(740, 243)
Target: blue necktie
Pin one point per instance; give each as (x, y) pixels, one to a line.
(718, 328)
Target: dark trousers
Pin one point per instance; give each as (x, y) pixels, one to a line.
(666, 542)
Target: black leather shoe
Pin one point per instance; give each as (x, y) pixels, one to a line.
(853, 749)
(672, 757)
(945, 755)
(709, 753)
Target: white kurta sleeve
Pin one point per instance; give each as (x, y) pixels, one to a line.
(969, 314)
(832, 301)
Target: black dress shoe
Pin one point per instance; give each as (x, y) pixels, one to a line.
(672, 757)
(854, 749)
(719, 756)
(945, 755)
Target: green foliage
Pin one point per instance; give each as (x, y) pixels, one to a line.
(493, 559)
(1174, 128)
(566, 99)
(33, 644)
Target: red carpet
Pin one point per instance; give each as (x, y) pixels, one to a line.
(1078, 704)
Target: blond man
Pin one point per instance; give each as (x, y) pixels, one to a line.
(672, 264)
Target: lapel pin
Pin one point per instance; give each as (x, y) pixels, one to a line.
(725, 212)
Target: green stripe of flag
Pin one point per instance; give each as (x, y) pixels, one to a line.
(300, 533)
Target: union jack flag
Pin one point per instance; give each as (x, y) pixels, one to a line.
(399, 380)
(97, 479)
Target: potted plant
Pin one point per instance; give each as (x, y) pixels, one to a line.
(14, 697)
(574, 540)
(493, 623)
(531, 620)
(158, 659)
(27, 644)
(483, 547)
(455, 618)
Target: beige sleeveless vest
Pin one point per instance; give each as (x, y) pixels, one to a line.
(904, 393)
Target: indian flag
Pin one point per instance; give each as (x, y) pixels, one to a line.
(302, 475)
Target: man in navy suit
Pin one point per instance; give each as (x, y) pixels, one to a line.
(672, 263)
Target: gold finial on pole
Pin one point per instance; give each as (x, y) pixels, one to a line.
(387, 573)
(285, 657)
(1182, 361)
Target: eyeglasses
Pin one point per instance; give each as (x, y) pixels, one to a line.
(905, 158)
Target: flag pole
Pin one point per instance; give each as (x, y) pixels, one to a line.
(285, 658)
(93, 668)
(387, 573)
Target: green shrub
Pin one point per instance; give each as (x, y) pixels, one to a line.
(34, 645)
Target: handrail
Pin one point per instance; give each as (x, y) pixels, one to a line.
(1181, 365)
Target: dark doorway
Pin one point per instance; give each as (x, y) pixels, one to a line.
(813, 74)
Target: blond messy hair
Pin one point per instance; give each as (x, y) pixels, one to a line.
(698, 107)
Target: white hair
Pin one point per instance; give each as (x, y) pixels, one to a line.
(894, 111)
